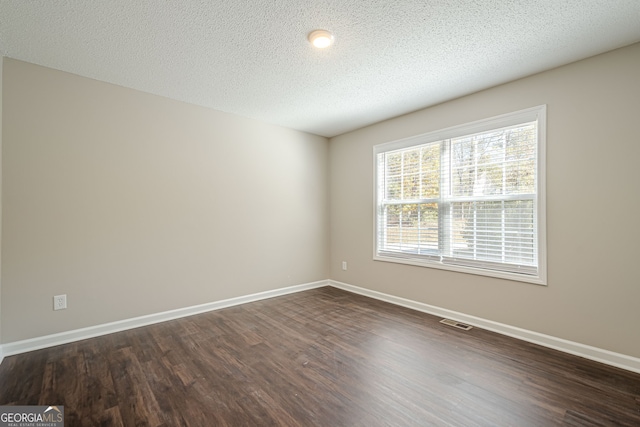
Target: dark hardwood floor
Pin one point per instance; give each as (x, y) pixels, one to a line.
(323, 357)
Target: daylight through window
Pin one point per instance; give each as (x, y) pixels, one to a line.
(467, 198)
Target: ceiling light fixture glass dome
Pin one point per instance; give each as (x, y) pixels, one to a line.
(321, 38)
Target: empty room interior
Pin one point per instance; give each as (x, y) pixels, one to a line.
(348, 213)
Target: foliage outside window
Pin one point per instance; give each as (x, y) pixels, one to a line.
(468, 198)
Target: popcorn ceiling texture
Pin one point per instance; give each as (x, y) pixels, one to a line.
(252, 58)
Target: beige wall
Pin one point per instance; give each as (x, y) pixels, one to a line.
(133, 204)
(593, 203)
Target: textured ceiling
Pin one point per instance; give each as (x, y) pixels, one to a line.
(251, 57)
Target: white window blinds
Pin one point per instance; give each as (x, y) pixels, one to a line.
(465, 200)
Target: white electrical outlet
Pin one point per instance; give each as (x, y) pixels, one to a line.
(59, 302)
(344, 265)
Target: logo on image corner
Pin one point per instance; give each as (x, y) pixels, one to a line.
(32, 416)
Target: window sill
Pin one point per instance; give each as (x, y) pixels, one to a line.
(537, 280)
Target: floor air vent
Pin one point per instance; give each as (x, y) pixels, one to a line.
(456, 324)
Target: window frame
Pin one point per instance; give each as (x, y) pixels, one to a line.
(532, 114)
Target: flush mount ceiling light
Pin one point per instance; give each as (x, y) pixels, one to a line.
(321, 38)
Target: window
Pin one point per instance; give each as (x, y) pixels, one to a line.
(468, 198)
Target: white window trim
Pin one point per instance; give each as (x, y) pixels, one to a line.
(538, 113)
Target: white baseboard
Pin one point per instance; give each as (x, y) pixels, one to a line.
(593, 353)
(588, 352)
(17, 347)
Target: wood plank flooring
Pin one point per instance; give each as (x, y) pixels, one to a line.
(323, 357)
